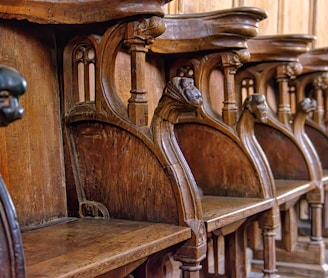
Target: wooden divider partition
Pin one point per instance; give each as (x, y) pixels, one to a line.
(292, 157)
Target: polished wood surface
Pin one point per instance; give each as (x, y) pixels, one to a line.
(221, 211)
(92, 247)
(77, 12)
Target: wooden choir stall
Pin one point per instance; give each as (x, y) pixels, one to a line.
(157, 145)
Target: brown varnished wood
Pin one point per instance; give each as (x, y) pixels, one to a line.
(222, 211)
(71, 12)
(190, 32)
(222, 203)
(274, 62)
(92, 247)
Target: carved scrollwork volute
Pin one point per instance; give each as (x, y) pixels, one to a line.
(230, 62)
(12, 86)
(138, 36)
(180, 95)
(284, 74)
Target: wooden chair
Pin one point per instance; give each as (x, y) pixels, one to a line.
(294, 162)
(129, 208)
(12, 261)
(232, 195)
(312, 83)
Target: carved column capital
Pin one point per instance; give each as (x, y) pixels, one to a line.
(144, 31)
(289, 71)
(235, 59)
(321, 81)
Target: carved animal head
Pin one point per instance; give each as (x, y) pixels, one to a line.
(307, 105)
(257, 105)
(12, 86)
(180, 95)
(183, 90)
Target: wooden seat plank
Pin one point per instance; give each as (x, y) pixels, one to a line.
(219, 211)
(91, 247)
(289, 189)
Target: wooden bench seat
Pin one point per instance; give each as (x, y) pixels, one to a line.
(287, 190)
(220, 211)
(92, 247)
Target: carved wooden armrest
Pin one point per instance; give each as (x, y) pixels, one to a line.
(218, 30)
(12, 86)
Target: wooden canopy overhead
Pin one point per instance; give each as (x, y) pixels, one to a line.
(77, 11)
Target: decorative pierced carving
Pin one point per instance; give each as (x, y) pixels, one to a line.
(12, 86)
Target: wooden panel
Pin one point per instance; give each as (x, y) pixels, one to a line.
(218, 164)
(35, 168)
(269, 25)
(115, 167)
(197, 6)
(320, 23)
(299, 21)
(284, 157)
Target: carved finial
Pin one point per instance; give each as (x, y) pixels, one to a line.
(12, 86)
(180, 95)
(257, 105)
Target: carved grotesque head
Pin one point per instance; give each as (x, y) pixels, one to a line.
(258, 106)
(12, 86)
(183, 90)
(307, 105)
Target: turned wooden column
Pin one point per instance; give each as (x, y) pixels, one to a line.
(320, 84)
(139, 35)
(284, 74)
(230, 62)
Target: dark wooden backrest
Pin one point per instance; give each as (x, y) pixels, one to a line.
(12, 261)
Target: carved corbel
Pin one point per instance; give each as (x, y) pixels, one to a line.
(12, 86)
(230, 62)
(138, 36)
(284, 74)
(320, 84)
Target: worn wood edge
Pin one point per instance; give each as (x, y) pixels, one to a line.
(279, 47)
(78, 12)
(106, 264)
(217, 30)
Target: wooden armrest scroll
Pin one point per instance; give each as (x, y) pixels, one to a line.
(12, 86)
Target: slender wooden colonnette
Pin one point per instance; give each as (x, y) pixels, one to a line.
(233, 195)
(292, 157)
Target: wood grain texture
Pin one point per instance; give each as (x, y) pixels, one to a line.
(35, 171)
(71, 12)
(89, 247)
